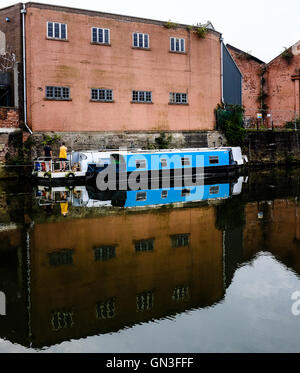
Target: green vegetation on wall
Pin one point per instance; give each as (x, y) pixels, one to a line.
(292, 125)
(170, 25)
(161, 142)
(230, 122)
(50, 140)
(287, 55)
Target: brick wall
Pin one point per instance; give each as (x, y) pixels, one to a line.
(80, 64)
(282, 78)
(251, 68)
(13, 42)
(9, 118)
(280, 84)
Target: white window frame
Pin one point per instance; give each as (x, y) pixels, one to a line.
(53, 31)
(105, 94)
(145, 94)
(138, 36)
(175, 40)
(60, 98)
(173, 98)
(99, 42)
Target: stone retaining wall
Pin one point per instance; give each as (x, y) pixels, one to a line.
(115, 140)
(268, 147)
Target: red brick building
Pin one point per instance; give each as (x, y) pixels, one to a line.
(282, 85)
(252, 69)
(272, 88)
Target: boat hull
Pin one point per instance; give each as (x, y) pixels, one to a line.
(161, 177)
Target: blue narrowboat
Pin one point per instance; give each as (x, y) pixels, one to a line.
(166, 163)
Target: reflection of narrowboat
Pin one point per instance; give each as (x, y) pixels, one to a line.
(90, 196)
(152, 197)
(137, 198)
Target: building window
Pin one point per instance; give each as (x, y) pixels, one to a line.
(103, 253)
(102, 95)
(141, 196)
(214, 160)
(140, 40)
(144, 301)
(177, 45)
(57, 93)
(180, 240)
(62, 319)
(178, 98)
(141, 96)
(61, 258)
(56, 30)
(100, 35)
(185, 161)
(214, 189)
(106, 309)
(181, 293)
(144, 245)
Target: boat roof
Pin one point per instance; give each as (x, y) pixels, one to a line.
(155, 151)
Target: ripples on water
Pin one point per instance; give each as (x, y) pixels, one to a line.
(207, 270)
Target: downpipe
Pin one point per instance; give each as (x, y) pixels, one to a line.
(23, 12)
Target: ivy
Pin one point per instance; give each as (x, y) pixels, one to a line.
(161, 142)
(200, 31)
(230, 122)
(50, 140)
(287, 55)
(170, 25)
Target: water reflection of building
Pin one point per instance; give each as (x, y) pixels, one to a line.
(274, 226)
(99, 275)
(13, 284)
(96, 275)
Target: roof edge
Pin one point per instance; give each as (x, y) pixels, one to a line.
(20, 5)
(290, 47)
(108, 15)
(240, 51)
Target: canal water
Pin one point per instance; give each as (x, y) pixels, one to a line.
(214, 269)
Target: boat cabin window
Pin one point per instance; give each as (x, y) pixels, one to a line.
(163, 163)
(185, 161)
(140, 163)
(213, 159)
(83, 157)
(141, 196)
(185, 192)
(214, 189)
(164, 194)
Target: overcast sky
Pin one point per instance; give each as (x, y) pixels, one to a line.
(260, 27)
